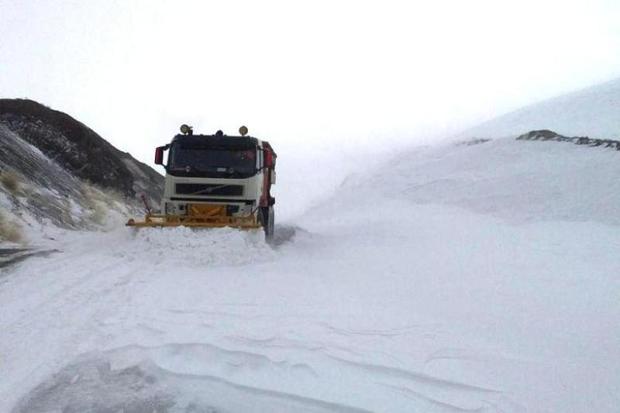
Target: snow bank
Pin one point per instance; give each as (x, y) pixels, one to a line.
(518, 181)
(198, 247)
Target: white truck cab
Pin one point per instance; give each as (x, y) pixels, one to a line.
(218, 180)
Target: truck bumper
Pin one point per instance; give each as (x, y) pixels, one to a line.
(199, 215)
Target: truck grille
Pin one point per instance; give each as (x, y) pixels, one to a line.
(209, 189)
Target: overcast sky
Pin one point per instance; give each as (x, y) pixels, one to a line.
(343, 73)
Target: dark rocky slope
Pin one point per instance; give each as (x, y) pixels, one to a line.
(548, 135)
(54, 169)
(78, 149)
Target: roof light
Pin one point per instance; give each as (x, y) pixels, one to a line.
(243, 130)
(186, 130)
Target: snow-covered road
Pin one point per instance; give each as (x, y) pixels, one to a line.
(459, 278)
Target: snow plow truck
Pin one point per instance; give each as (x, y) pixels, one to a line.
(215, 181)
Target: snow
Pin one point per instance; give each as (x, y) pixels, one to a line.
(452, 278)
(590, 112)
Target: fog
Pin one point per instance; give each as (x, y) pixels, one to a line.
(330, 84)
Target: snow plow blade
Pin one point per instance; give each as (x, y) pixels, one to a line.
(198, 215)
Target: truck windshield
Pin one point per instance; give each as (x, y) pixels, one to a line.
(211, 162)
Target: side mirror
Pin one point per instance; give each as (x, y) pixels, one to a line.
(159, 155)
(268, 159)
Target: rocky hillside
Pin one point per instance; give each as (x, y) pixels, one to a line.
(54, 169)
(548, 135)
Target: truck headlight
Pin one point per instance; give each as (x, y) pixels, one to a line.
(171, 208)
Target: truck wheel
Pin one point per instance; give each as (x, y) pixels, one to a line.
(267, 220)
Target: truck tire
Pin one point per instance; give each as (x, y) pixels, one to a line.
(267, 220)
